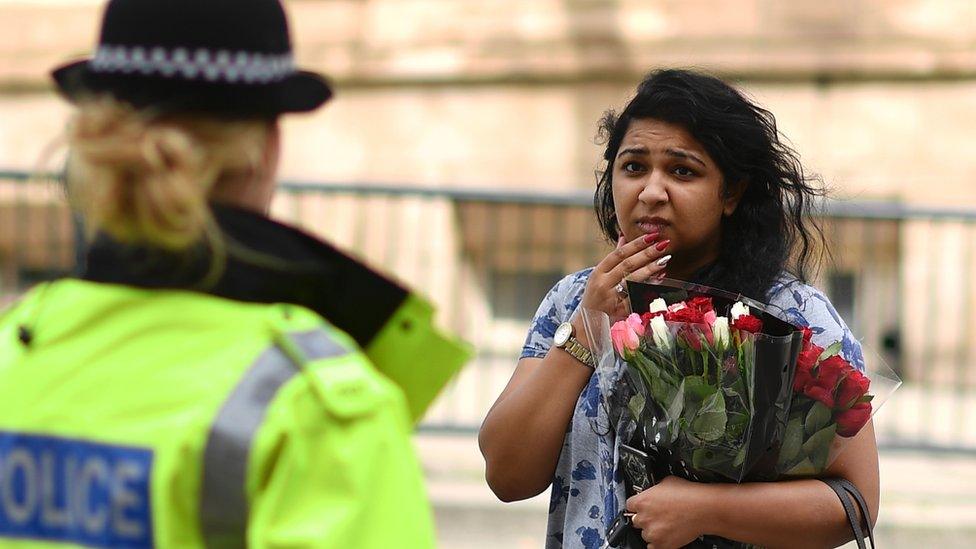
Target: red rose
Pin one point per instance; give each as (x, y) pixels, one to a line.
(823, 386)
(819, 393)
(807, 334)
(832, 370)
(802, 378)
(748, 323)
(809, 356)
(804, 366)
(849, 422)
(852, 387)
(691, 334)
(685, 314)
(646, 318)
(701, 304)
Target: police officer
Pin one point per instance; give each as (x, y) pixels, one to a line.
(214, 378)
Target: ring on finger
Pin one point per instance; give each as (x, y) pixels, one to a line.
(621, 291)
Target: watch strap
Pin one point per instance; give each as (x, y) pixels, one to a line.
(578, 351)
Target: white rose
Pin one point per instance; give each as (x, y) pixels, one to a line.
(658, 305)
(661, 332)
(738, 310)
(720, 331)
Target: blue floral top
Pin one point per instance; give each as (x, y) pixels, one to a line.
(587, 490)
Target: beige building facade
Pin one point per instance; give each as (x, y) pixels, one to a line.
(878, 96)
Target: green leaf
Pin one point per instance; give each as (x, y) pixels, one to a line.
(804, 469)
(636, 405)
(692, 392)
(677, 403)
(739, 388)
(817, 418)
(663, 393)
(747, 368)
(711, 420)
(658, 382)
(645, 367)
(740, 458)
(737, 424)
(792, 442)
(817, 447)
(830, 351)
(709, 459)
(656, 365)
(865, 398)
(697, 388)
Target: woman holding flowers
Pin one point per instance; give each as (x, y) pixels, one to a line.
(698, 186)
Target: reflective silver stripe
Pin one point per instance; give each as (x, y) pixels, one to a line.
(318, 344)
(223, 499)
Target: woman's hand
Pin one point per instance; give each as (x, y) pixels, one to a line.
(641, 259)
(670, 514)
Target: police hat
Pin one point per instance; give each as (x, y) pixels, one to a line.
(230, 57)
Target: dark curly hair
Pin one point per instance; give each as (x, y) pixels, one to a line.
(772, 229)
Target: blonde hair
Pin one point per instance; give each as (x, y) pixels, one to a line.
(146, 179)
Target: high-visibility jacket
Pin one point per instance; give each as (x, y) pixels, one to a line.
(167, 418)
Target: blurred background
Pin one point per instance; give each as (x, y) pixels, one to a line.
(459, 156)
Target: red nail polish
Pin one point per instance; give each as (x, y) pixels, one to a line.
(662, 245)
(650, 237)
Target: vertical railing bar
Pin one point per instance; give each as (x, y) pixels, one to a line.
(963, 344)
(930, 321)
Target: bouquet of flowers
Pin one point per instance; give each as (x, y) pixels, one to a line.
(714, 387)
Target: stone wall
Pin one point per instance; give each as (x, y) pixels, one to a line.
(876, 95)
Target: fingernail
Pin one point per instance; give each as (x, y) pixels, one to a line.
(662, 245)
(650, 237)
(664, 260)
(620, 241)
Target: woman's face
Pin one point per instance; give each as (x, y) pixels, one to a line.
(664, 181)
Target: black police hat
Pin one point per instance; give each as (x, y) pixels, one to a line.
(224, 57)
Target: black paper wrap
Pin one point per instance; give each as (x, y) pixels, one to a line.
(775, 353)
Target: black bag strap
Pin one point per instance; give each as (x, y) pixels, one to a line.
(849, 510)
(863, 505)
(846, 491)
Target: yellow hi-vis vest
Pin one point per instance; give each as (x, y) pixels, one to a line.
(148, 418)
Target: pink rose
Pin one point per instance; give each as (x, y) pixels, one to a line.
(709, 317)
(625, 335)
(636, 323)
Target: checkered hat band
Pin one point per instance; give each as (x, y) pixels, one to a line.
(194, 64)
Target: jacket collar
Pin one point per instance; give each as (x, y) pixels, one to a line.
(266, 262)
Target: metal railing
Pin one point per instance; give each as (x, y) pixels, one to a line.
(902, 277)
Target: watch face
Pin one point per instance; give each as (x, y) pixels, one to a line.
(562, 334)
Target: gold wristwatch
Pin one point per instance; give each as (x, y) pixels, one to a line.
(563, 339)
